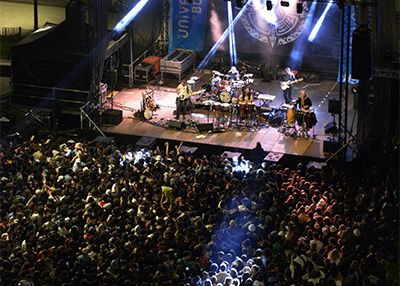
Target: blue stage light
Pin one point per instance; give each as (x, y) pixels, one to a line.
(321, 19)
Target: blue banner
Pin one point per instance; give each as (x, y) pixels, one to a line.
(187, 24)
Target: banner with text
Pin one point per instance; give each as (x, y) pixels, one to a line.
(187, 24)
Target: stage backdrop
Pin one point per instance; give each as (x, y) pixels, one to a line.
(279, 36)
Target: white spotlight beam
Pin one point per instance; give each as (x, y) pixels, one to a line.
(121, 25)
(317, 26)
(214, 48)
(230, 18)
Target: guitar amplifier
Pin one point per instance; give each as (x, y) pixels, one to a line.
(144, 72)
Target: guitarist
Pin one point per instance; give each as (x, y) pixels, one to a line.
(183, 102)
(287, 77)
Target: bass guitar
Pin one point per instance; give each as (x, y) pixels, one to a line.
(286, 84)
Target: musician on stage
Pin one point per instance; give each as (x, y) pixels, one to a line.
(233, 73)
(305, 116)
(183, 103)
(287, 78)
(245, 101)
(303, 102)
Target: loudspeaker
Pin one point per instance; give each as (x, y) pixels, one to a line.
(361, 54)
(330, 128)
(204, 127)
(176, 124)
(112, 116)
(330, 147)
(111, 77)
(334, 106)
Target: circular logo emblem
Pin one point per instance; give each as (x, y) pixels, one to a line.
(277, 27)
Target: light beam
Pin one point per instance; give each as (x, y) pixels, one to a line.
(214, 48)
(321, 19)
(121, 25)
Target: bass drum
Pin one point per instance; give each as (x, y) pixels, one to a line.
(225, 96)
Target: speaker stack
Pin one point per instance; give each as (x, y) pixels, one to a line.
(361, 54)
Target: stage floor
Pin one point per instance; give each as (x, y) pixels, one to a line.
(245, 138)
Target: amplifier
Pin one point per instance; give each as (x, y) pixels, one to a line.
(144, 72)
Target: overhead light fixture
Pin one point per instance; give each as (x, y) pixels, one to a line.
(240, 3)
(285, 3)
(299, 7)
(269, 4)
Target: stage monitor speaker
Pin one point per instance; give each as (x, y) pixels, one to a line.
(330, 147)
(330, 128)
(176, 124)
(205, 127)
(334, 106)
(361, 54)
(112, 116)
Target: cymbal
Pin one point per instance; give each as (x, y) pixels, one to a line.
(217, 73)
(195, 78)
(248, 75)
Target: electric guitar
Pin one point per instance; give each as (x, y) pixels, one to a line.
(286, 84)
(182, 96)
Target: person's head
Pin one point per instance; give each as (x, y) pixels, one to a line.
(287, 70)
(183, 82)
(303, 94)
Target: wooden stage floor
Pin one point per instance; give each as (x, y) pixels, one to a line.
(271, 140)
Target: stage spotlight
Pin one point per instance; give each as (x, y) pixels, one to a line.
(354, 90)
(299, 7)
(269, 4)
(285, 3)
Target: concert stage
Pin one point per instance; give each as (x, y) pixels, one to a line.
(234, 135)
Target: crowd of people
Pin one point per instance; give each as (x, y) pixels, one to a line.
(75, 213)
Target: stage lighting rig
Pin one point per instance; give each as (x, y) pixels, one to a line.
(240, 3)
(269, 4)
(285, 3)
(299, 7)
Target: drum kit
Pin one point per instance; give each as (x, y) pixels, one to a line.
(298, 122)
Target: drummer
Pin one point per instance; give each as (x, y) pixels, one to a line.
(233, 74)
